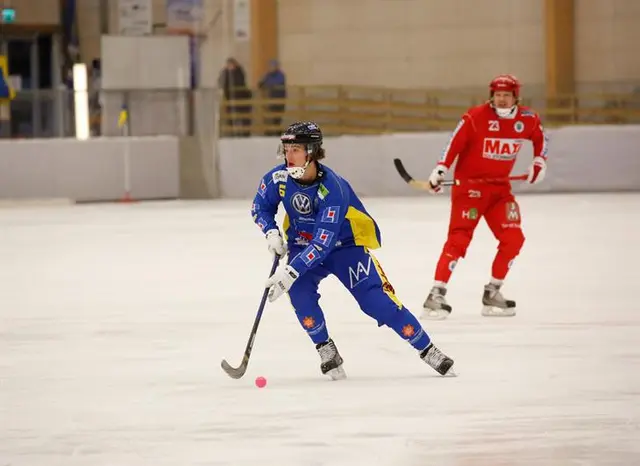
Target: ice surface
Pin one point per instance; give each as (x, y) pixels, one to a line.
(114, 319)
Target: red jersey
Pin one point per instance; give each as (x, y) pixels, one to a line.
(486, 145)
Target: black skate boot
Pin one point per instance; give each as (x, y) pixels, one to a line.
(435, 307)
(331, 360)
(494, 304)
(438, 360)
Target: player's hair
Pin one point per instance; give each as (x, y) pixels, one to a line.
(317, 153)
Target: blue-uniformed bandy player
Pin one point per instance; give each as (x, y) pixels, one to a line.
(328, 231)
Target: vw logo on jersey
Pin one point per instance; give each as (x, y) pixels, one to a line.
(518, 126)
(302, 203)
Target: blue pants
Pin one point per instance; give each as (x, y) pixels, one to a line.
(362, 275)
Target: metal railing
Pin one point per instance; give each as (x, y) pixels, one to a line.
(338, 109)
(361, 110)
(50, 113)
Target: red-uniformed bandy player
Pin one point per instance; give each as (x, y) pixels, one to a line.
(486, 143)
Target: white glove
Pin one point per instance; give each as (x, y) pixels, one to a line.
(280, 282)
(275, 243)
(436, 177)
(537, 170)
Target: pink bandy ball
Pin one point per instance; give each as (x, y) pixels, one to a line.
(261, 382)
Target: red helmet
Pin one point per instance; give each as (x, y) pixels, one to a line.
(505, 82)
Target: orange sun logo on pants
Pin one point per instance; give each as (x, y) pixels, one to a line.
(308, 322)
(408, 331)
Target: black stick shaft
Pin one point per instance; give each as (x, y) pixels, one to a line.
(238, 372)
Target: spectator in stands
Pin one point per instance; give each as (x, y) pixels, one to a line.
(273, 84)
(95, 99)
(233, 83)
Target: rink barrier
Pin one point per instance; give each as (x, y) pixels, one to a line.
(46, 170)
(35, 202)
(581, 159)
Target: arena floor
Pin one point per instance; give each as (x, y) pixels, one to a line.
(115, 318)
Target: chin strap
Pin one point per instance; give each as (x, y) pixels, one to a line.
(510, 114)
(298, 172)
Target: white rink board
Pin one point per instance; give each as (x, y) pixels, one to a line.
(115, 319)
(581, 159)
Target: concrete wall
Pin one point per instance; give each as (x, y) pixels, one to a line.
(89, 27)
(455, 43)
(89, 170)
(401, 43)
(43, 12)
(154, 70)
(607, 34)
(411, 43)
(216, 42)
(582, 159)
(88, 14)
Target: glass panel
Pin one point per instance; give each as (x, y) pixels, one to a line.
(19, 57)
(32, 111)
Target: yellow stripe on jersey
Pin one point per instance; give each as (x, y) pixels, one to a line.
(386, 286)
(363, 228)
(286, 223)
(285, 227)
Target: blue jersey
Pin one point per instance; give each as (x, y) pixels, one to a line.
(319, 217)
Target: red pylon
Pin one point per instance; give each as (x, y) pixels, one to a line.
(127, 198)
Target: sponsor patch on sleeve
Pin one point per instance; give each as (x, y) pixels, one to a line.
(330, 214)
(309, 255)
(324, 237)
(262, 189)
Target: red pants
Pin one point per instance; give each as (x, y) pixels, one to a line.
(501, 212)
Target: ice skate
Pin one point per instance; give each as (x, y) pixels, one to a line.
(495, 305)
(435, 307)
(438, 360)
(331, 360)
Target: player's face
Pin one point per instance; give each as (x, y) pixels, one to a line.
(504, 99)
(295, 154)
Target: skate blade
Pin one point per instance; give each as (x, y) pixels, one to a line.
(492, 311)
(450, 373)
(337, 374)
(434, 314)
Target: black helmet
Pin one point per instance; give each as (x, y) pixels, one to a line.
(307, 133)
(302, 132)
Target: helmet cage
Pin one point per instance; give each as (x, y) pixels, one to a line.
(307, 134)
(312, 149)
